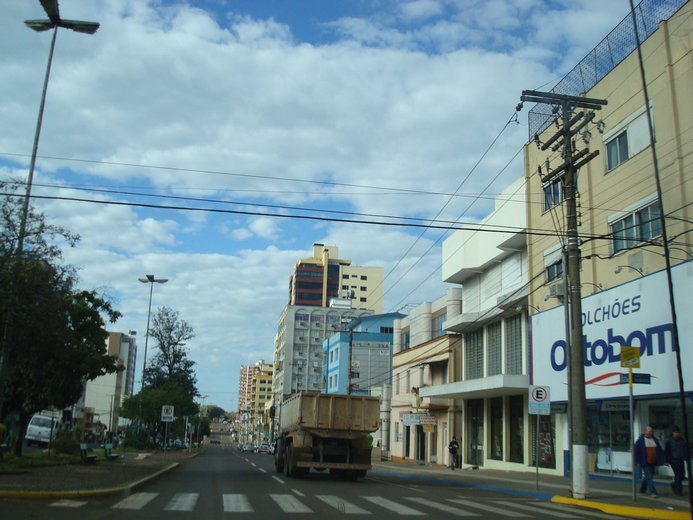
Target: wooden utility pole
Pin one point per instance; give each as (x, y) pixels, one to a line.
(572, 123)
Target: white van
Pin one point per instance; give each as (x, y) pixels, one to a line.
(42, 428)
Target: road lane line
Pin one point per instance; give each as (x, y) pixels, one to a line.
(290, 504)
(342, 505)
(441, 507)
(278, 479)
(486, 507)
(237, 504)
(538, 510)
(263, 470)
(182, 502)
(68, 503)
(136, 501)
(297, 492)
(400, 509)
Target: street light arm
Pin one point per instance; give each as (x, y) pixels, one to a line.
(52, 9)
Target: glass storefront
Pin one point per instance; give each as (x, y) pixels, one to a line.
(547, 440)
(475, 432)
(517, 438)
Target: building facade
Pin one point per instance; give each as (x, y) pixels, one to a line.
(625, 297)
(492, 381)
(366, 346)
(424, 356)
(324, 276)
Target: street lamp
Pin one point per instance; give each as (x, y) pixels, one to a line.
(151, 280)
(53, 22)
(619, 268)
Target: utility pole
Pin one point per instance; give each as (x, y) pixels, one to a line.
(565, 106)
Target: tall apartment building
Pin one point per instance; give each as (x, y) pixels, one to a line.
(100, 403)
(246, 388)
(625, 297)
(318, 279)
(299, 360)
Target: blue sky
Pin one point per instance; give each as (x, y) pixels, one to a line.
(372, 109)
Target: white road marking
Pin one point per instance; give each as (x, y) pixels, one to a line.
(290, 504)
(263, 470)
(342, 505)
(136, 501)
(182, 502)
(297, 492)
(394, 506)
(278, 479)
(486, 507)
(541, 511)
(441, 507)
(68, 503)
(237, 504)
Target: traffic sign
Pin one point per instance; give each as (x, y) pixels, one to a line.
(643, 379)
(539, 400)
(630, 357)
(167, 413)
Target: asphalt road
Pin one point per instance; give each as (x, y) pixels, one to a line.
(222, 482)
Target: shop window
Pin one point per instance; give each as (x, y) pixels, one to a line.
(516, 419)
(475, 432)
(636, 227)
(547, 441)
(496, 428)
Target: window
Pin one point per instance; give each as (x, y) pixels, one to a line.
(363, 288)
(345, 277)
(474, 355)
(363, 299)
(494, 349)
(345, 287)
(554, 271)
(513, 345)
(627, 139)
(636, 227)
(364, 277)
(497, 428)
(553, 194)
(438, 324)
(617, 150)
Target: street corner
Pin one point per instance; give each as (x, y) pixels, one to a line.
(625, 510)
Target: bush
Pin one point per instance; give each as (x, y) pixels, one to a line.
(65, 443)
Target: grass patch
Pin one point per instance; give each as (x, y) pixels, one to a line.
(11, 464)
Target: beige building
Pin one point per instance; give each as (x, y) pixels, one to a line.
(324, 276)
(625, 299)
(424, 356)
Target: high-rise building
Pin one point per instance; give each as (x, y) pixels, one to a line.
(245, 383)
(318, 279)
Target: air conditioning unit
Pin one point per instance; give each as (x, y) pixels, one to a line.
(556, 290)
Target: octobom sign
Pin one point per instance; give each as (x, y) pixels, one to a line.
(635, 314)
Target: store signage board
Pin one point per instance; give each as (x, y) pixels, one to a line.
(638, 378)
(539, 400)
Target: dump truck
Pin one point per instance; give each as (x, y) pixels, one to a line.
(326, 432)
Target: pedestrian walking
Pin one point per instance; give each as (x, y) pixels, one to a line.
(676, 454)
(453, 448)
(648, 455)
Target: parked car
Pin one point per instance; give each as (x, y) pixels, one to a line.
(247, 447)
(42, 429)
(264, 448)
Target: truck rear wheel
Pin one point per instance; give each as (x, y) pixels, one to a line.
(288, 461)
(278, 463)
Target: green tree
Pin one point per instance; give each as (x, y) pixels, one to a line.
(214, 412)
(53, 335)
(171, 362)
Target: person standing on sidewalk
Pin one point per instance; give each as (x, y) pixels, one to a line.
(676, 453)
(453, 448)
(648, 455)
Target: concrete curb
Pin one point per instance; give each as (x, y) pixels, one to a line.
(631, 511)
(81, 493)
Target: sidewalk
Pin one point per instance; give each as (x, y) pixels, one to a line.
(611, 495)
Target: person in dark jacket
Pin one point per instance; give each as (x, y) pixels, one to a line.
(648, 455)
(676, 454)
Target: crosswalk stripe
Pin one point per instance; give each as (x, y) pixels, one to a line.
(488, 508)
(237, 504)
(182, 502)
(290, 504)
(442, 507)
(342, 505)
(394, 506)
(136, 501)
(542, 511)
(68, 503)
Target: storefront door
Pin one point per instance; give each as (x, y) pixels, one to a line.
(475, 432)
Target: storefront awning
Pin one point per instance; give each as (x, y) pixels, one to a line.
(492, 386)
